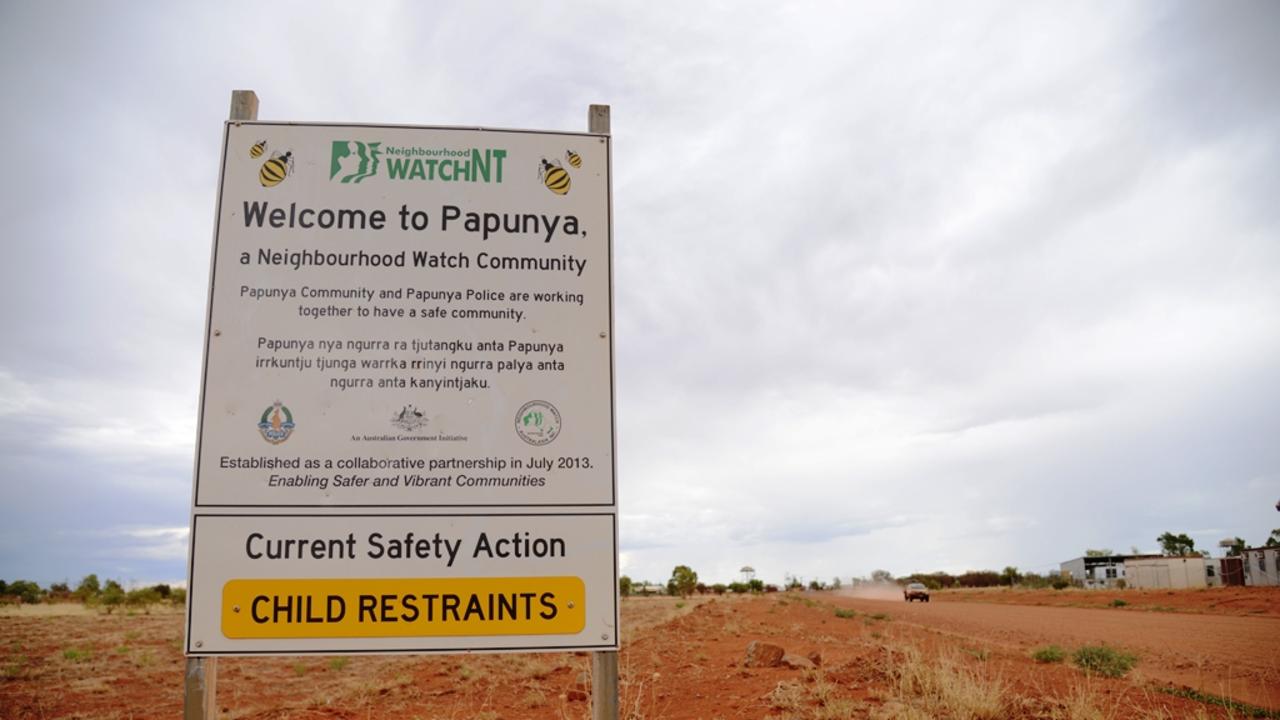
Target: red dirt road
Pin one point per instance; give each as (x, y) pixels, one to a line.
(1236, 657)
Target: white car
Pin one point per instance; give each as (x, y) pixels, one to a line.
(915, 591)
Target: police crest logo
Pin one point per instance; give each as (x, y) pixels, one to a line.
(276, 424)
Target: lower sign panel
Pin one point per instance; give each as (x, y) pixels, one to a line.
(401, 583)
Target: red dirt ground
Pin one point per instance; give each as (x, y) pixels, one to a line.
(680, 659)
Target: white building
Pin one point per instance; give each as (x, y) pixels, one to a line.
(1262, 566)
(1175, 573)
(1099, 571)
(1143, 571)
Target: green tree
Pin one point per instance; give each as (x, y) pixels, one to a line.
(26, 591)
(88, 588)
(112, 595)
(1236, 548)
(1179, 545)
(755, 585)
(835, 583)
(881, 576)
(683, 581)
(1010, 576)
(1274, 539)
(1034, 580)
(624, 586)
(141, 598)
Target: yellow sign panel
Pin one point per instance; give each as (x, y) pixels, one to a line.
(403, 607)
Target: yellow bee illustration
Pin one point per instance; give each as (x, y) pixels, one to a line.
(574, 158)
(554, 177)
(257, 150)
(275, 169)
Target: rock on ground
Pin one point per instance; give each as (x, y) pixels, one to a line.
(763, 654)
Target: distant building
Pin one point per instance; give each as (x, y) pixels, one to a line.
(1101, 571)
(1261, 566)
(1175, 573)
(1143, 571)
(1213, 572)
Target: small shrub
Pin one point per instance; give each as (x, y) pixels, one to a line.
(879, 616)
(14, 669)
(1049, 654)
(339, 663)
(299, 669)
(1061, 584)
(845, 614)
(1118, 603)
(1105, 661)
(75, 655)
(534, 699)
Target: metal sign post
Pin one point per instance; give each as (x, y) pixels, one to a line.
(200, 689)
(604, 664)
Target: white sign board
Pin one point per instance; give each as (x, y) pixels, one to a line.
(409, 359)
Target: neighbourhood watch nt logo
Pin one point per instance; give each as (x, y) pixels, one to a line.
(354, 161)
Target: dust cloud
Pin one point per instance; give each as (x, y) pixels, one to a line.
(872, 591)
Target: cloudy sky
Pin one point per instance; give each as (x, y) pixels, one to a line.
(905, 286)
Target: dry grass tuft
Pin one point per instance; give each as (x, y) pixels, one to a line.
(814, 699)
(945, 687)
(1082, 703)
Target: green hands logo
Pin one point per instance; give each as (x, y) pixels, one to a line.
(353, 161)
(538, 422)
